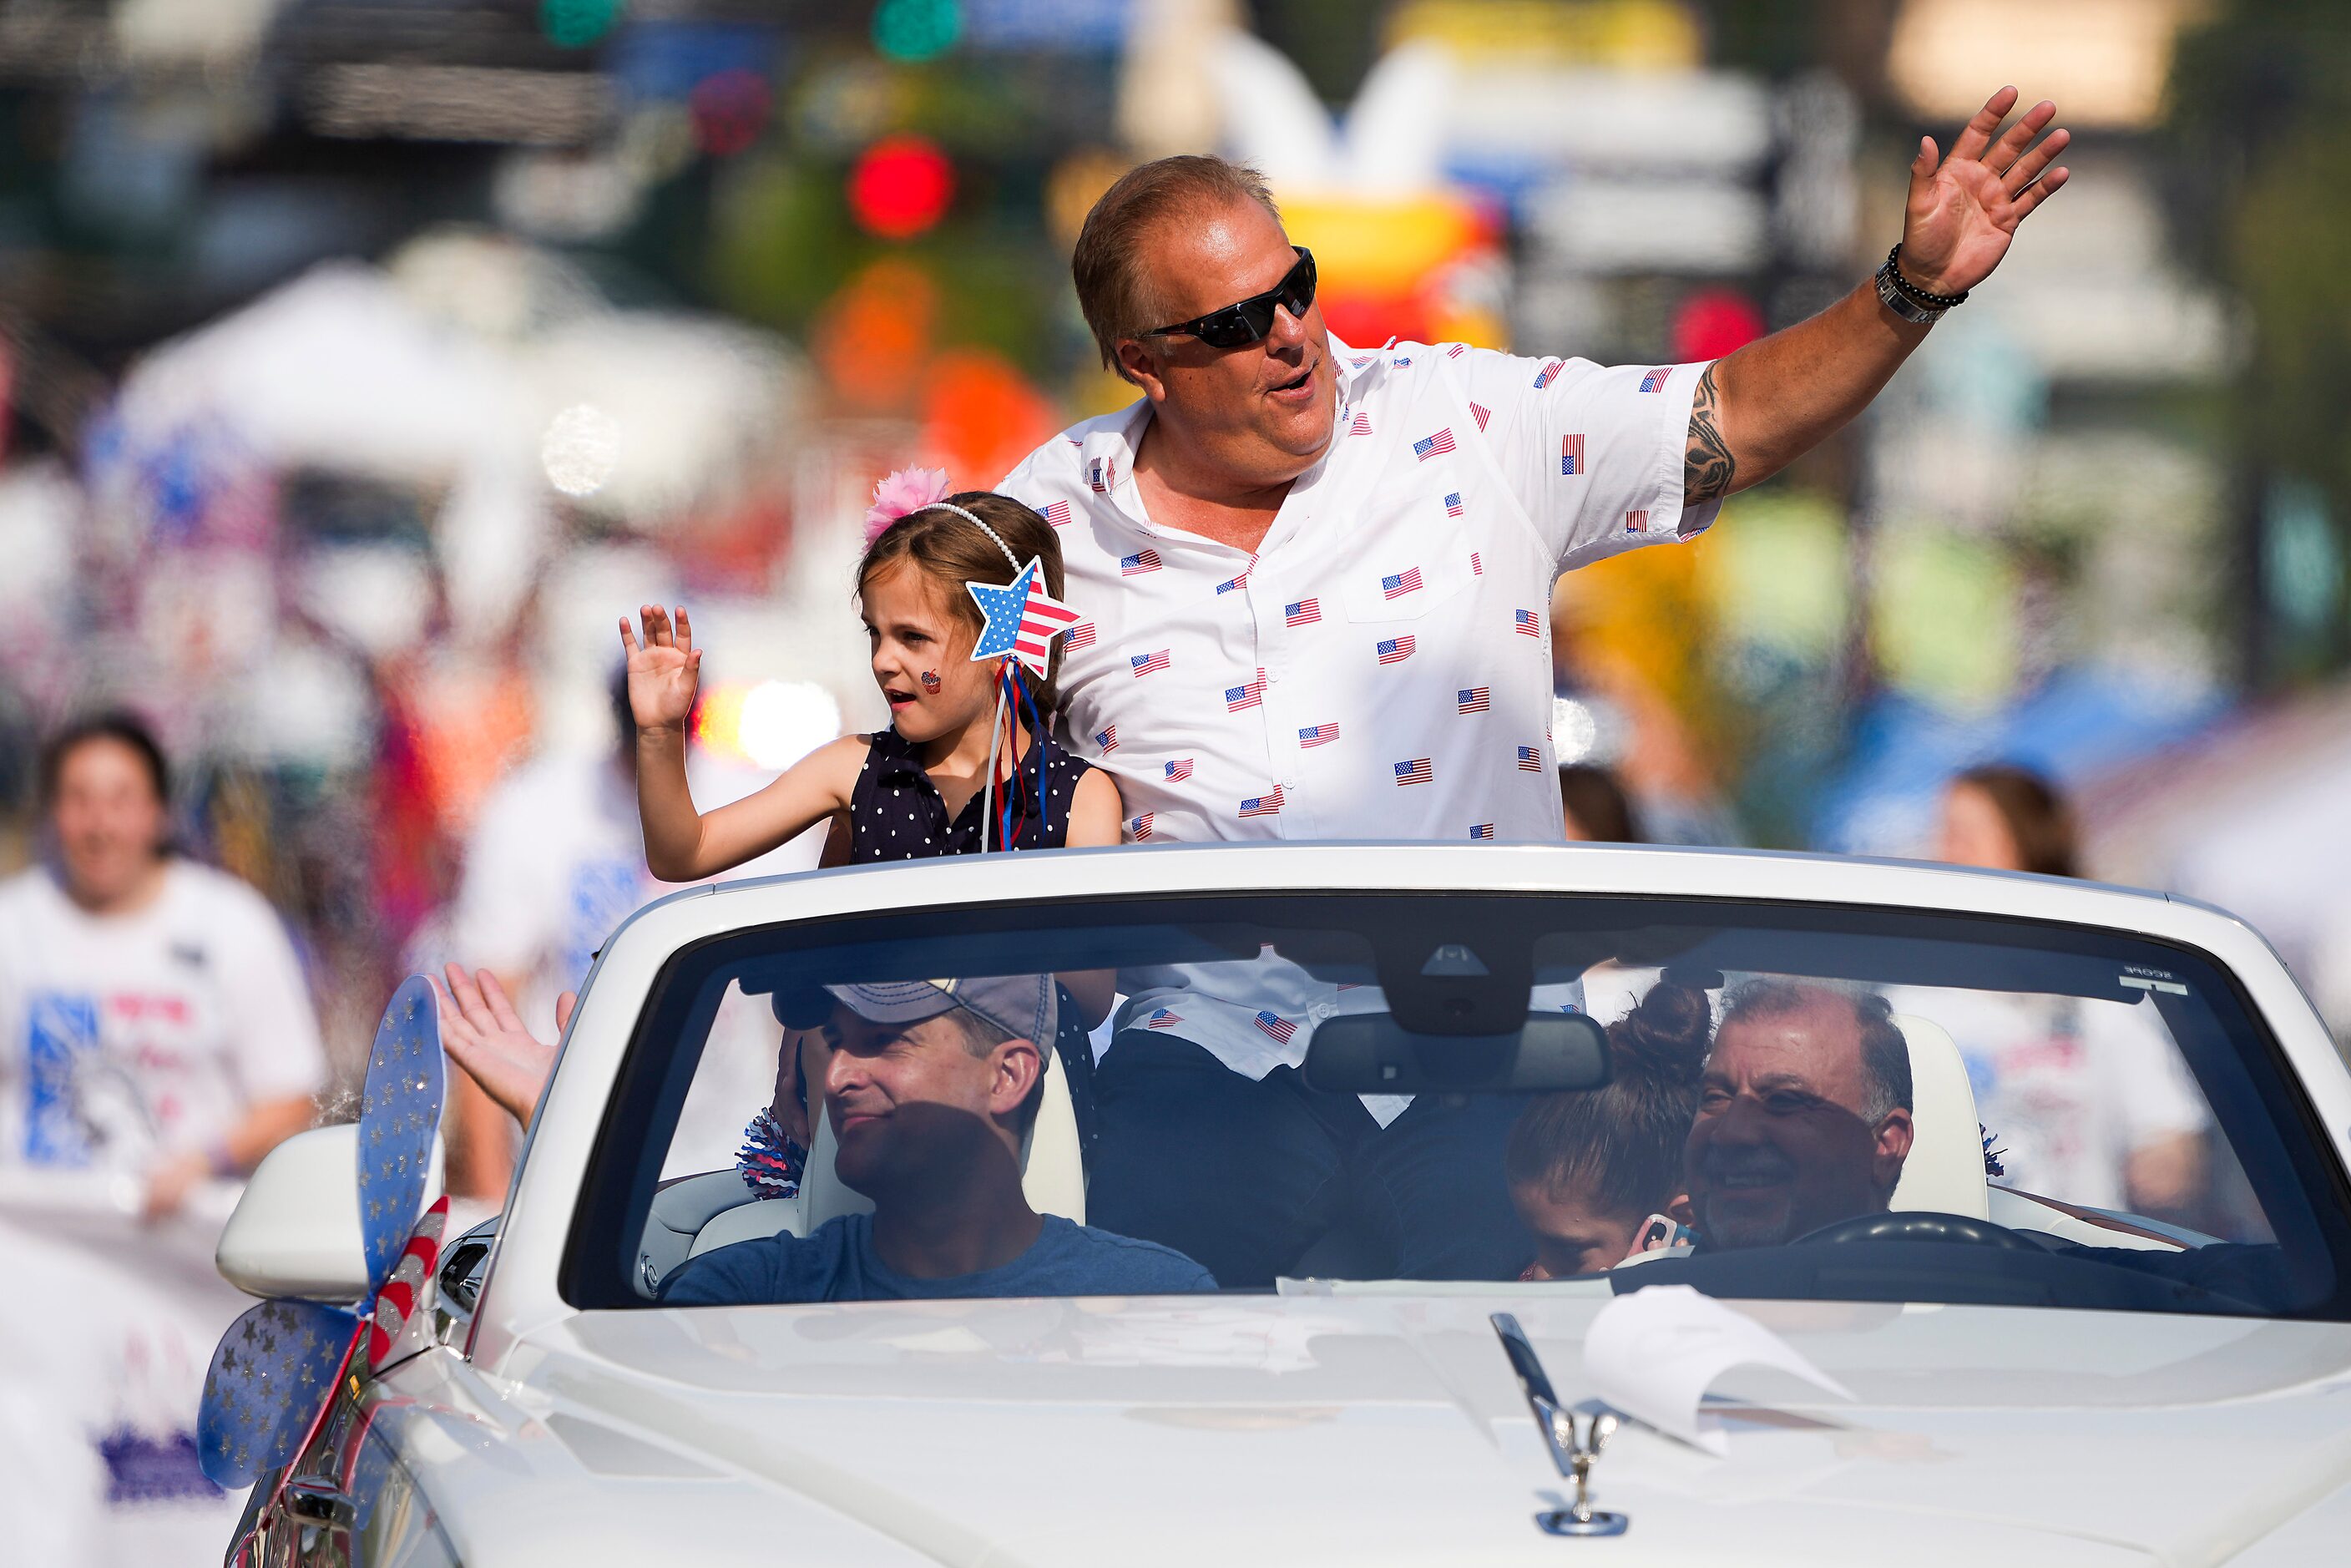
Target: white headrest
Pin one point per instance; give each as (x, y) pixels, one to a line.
(1945, 1171)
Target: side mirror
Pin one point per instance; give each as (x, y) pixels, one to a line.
(296, 1232)
(1372, 1053)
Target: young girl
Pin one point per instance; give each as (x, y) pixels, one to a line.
(917, 788)
(914, 790)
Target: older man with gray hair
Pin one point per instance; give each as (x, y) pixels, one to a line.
(1314, 588)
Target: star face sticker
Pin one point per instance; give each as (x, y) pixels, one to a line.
(1020, 620)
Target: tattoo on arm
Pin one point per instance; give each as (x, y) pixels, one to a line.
(1708, 470)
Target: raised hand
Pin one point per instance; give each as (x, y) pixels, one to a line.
(664, 668)
(485, 1036)
(1964, 210)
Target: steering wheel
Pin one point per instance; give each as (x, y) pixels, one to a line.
(1919, 1225)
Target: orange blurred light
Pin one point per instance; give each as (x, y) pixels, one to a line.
(874, 336)
(900, 187)
(981, 416)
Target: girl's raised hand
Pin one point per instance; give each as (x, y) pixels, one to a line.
(664, 668)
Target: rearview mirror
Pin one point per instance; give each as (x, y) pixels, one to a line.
(296, 1232)
(1371, 1053)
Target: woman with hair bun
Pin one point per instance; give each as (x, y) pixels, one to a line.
(1597, 1174)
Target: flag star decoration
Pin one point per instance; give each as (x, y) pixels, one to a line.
(1018, 619)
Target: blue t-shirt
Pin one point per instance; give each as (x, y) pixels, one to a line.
(838, 1264)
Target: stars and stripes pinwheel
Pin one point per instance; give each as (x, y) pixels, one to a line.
(274, 1371)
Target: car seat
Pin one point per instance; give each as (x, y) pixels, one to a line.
(1052, 1177)
(1945, 1171)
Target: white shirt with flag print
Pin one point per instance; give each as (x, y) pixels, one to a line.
(1380, 667)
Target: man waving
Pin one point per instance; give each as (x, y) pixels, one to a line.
(1316, 584)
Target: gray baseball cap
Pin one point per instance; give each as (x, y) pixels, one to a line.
(1021, 1006)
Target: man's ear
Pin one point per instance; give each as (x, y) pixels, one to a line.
(1139, 365)
(1891, 1146)
(1017, 1066)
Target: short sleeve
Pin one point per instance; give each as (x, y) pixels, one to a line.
(1593, 452)
(503, 910)
(273, 1030)
(2153, 1094)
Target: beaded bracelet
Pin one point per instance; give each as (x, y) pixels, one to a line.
(1911, 290)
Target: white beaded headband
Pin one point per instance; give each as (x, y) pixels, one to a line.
(973, 518)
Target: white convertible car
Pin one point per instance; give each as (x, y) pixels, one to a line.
(2082, 1262)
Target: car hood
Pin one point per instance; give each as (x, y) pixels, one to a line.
(1365, 1429)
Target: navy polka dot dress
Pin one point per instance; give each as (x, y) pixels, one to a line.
(895, 812)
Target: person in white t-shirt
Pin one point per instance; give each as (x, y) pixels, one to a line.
(2086, 1102)
(1315, 583)
(556, 860)
(153, 1019)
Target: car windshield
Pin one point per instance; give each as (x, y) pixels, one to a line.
(1364, 1093)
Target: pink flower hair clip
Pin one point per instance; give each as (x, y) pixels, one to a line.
(906, 491)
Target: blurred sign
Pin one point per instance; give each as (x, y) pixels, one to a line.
(1623, 35)
(2103, 62)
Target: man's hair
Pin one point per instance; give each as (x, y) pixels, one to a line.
(980, 1037)
(119, 725)
(1108, 264)
(2037, 814)
(1885, 1054)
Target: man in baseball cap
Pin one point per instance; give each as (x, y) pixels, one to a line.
(930, 1086)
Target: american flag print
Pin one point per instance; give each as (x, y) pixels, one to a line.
(1401, 583)
(1177, 770)
(1318, 735)
(1530, 759)
(1040, 620)
(1107, 739)
(1481, 830)
(1548, 373)
(1481, 414)
(1080, 635)
(1232, 582)
(1094, 477)
(1058, 514)
(1361, 425)
(1139, 829)
(1160, 1018)
(1656, 380)
(1454, 350)
(1149, 664)
(1473, 699)
(1429, 446)
(1412, 772)
(1305, 612)
(1637, 522)
(1400, 360)
(1138, 563)
(1453, 504)
(1394, 650)
(1246, 696)
(1476, 564)
(1359, 361)
(1265, 805)
(1280, 1028)
(1525, 625)
(1571, 455)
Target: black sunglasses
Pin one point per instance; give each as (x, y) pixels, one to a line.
(1240, 325)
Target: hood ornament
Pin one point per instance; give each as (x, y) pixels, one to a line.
(1572, 1452)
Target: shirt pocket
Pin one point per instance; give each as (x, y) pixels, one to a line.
(1408, 586)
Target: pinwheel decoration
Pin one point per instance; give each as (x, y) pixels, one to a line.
(273, 1371)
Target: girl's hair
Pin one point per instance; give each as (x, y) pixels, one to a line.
(2038, 818)
(1620, 1145)
(949, 549)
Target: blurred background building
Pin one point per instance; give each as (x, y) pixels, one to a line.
(363, 362)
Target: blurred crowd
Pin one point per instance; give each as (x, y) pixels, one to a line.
(360, 364)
